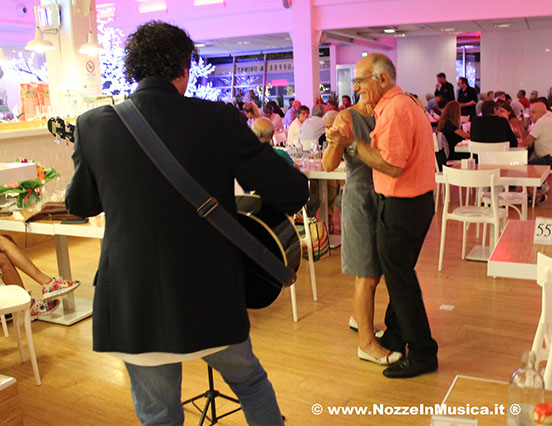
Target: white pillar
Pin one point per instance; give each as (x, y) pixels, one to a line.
(305, 53)
(333, 69)
(70, 72)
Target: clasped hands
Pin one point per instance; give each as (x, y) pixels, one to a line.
(340, 135)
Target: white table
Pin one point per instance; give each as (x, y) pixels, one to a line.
(464, 147)
(74, 308)
(515, 255)
(315, 170)
(518, 175)
(16, 172)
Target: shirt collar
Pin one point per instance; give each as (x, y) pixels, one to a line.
(156, 83)
(385, 99)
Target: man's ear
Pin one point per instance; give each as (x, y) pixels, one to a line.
(383, 80)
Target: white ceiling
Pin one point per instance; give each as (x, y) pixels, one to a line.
(371, 34)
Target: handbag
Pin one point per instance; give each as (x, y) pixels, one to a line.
(207, 207)
(54, 210)
(319, 238)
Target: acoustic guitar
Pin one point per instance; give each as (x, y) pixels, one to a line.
(274, 230)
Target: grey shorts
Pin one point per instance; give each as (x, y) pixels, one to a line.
(359, 255)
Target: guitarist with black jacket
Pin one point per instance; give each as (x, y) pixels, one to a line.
(169, 287)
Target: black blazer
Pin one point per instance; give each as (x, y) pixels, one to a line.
(167, 281)
(491, 128)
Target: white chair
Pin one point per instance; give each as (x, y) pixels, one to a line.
(477, 147)
(306, 241)
(471, 214)
(438, 173)
(543, 336)
(16, 301)
(507, 199)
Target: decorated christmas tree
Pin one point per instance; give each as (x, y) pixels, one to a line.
(112, 64)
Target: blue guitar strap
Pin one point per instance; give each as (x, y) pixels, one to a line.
(207, 207)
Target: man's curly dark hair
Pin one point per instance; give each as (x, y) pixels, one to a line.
(157, 49)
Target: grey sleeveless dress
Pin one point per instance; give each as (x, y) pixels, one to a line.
(359, 256)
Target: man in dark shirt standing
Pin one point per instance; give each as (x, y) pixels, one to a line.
(467, 97)
(444, 89)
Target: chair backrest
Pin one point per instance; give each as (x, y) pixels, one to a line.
(435, 142)
(472, 179)
(511, 158)
(436, 149)
(477, 147)
(544, 279)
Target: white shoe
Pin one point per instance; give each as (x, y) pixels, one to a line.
(354, 326)
(389, 359)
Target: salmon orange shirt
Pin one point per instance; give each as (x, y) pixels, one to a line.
(404, 138)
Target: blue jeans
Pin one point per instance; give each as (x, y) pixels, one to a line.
(156, 391)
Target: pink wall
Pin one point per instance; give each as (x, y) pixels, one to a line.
(347, 55)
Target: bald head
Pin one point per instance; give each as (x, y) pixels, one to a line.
(537, 110)
(329, 118)
(377, 64)
(263, 129)
(375, 75)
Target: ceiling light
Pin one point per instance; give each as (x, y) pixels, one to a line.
(91, 48)
(447, 29)
(389, 31)
(39, 45)
(200, 45)
(243, 42)
(208, 2)
(546, 50)
(502, 26)
(364, 54)
(3, 58)
(401, 35)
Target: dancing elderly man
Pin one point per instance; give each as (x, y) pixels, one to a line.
(402, 158)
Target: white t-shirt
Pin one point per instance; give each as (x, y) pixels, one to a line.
(517, 107)
(294, 132)
(542, 132)
(151, 359)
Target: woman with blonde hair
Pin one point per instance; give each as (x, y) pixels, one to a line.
(449, 125)
(252, 112)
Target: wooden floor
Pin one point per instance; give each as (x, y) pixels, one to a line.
(487, 324)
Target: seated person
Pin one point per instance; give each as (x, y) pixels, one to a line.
(506, 111)
(276, 108)
(52, 288)
(540, 139)
(313, 128)
(264, 130)
(490, 127)
(540, 136)
(449, 125)
(294, 131)
(251, 112)
(277, 123)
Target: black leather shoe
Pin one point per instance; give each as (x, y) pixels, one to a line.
(407, 367)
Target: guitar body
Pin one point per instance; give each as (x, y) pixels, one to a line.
(275, 231)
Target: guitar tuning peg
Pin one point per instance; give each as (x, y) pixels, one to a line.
(58, 140)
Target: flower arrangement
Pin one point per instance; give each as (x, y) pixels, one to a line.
(30, 189)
